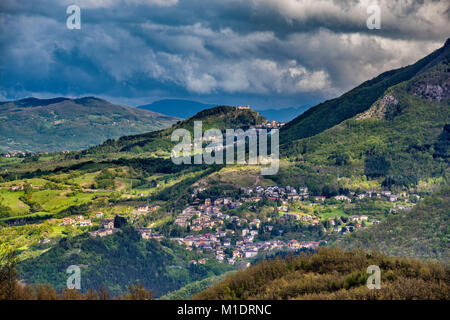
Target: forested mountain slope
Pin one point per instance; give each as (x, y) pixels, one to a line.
(422, 232)
(334, 274)
(220, 117)
(34, 125)
(401, 138)
(332, 112)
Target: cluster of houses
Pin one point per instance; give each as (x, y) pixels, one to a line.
(208, 214)
(13, 154)
(357, 222)
(78, 220)
(269, 125)
(19, 187)
(276, 192)
(302, 217)
(219, 243)
(386, 194)
(21, 154)
(147, 209)
(106, 228)
(233, 245)
(147, 234)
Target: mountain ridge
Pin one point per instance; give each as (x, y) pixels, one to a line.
(219, 117)
(332, 112)
(37, 125)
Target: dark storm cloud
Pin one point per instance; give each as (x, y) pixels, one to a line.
(267, 52)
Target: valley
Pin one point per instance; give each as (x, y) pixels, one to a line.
(372, 174)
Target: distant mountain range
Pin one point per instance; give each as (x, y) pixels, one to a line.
(176, 107)
(33, 125)
(283, 114)
(188, 108)
(47, 125)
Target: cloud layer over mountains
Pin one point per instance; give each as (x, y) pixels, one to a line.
(263, 52)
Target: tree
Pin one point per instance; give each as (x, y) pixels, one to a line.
(119, 221)
(138, 292)
(376, 166)
(8, 273)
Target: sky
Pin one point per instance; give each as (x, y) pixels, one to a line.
(265, 53)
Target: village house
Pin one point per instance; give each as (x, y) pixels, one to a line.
(343, 198)
(147, 209)
(196, 228)
(234, 205)
(255, 223)
(220, 257)
(292, 215)
(143, 209)
(251, 252)
(84, 223)
(16, 188)
(294, 197)
(393, 197)
(259, 189)
(145, 232)
(67, 221)
(156, 236)
(107, 223)
(103, 232)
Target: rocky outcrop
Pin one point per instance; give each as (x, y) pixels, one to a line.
(433, 90)
(385, 108)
